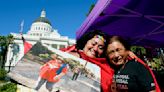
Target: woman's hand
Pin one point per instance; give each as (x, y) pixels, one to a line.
(132, 55)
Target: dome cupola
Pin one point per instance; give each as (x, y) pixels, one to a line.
(41, 26)
(43, 18)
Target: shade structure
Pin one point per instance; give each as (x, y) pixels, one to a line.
(140, 21)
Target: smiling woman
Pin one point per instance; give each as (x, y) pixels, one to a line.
(91, 47)
(129, 75)
(117, 50)
(93, 43)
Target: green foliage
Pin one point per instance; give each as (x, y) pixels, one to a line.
(157, 64)
(44, 55)
(6, 87)
(134, 49)
(6, 40)
(10, 87)
(2, 74)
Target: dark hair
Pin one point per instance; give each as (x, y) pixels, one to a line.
(124, 42)
(121, 40)
(81, 42)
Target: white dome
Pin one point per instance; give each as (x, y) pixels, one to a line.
(42, 28)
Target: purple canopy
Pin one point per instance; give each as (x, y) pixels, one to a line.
(141, 21)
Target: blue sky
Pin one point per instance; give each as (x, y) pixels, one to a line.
(65, 15)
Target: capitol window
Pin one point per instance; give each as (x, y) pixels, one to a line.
(54, 46)
(62, 46)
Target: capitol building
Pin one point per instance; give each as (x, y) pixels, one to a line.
(40, 30)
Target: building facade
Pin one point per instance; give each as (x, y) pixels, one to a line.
(40, 30)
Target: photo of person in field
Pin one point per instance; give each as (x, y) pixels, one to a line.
(51, 72)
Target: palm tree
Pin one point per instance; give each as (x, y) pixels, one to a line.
(5, 41)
